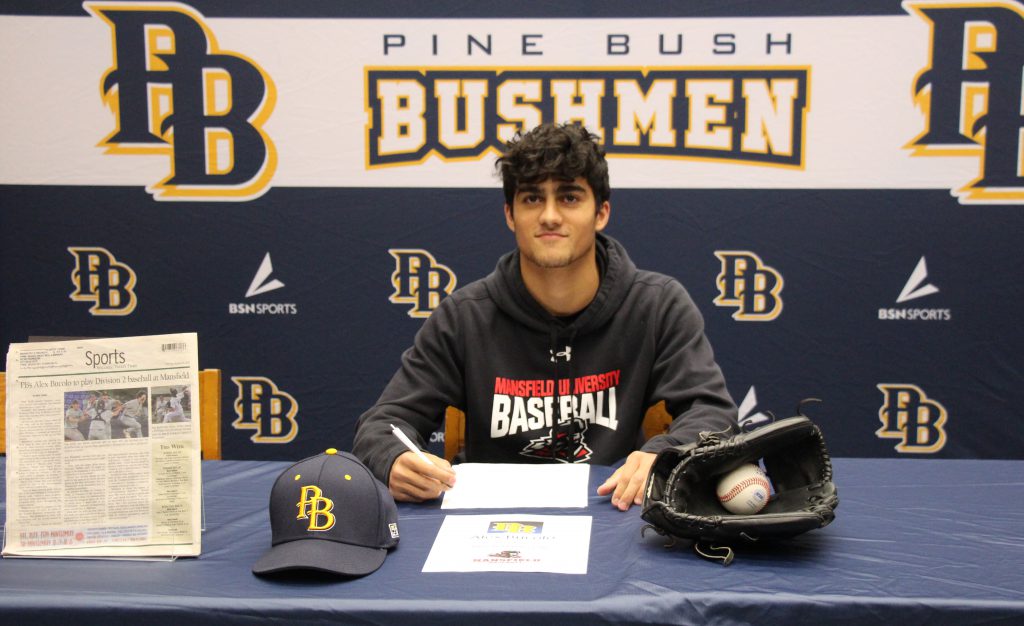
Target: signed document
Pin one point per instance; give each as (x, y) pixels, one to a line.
(511, 542)
(518, 486)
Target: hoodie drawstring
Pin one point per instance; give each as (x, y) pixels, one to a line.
(563, 434)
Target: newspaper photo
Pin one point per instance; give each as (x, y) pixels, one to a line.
(103, 451)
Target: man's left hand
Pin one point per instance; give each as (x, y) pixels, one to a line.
(627, 483)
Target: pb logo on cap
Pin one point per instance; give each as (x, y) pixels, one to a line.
(329, 513)
(314, 507)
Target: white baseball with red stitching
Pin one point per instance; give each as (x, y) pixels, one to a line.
(745, 490)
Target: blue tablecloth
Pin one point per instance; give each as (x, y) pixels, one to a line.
(914, 542)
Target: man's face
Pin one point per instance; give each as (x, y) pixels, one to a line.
(555, 222)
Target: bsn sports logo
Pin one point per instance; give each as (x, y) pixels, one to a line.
(912, 417)
(262, 407)
(316, 508)
(747, 417)
(748, 115)
(262, 282)
(174, 92)
(916, 287)
(99, 278)
(419, 280)
(746, 283)
(971, 94)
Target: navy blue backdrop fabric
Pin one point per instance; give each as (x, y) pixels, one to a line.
(842, 253)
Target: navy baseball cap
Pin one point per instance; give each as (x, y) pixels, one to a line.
(329, 513)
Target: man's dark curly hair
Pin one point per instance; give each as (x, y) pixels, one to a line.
(559, 151)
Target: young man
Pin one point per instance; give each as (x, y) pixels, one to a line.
(72, 417)
(132, 414)
(557, 355)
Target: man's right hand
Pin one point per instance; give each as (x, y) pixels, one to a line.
(414, 480)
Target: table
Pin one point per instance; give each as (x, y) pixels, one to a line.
(914, 541)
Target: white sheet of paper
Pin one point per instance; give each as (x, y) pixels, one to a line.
(517, 486)
(511, 542)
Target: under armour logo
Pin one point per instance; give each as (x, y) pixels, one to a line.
(565, 355)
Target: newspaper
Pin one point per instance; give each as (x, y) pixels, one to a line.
(103, 448)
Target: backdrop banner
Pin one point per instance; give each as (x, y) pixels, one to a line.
(840, 189)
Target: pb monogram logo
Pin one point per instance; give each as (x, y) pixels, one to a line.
(419, 280)
(912, 417)
(971, 94)
(100, 279)
(173, 91)
(316, 508)
(746, 283)
(262, 407)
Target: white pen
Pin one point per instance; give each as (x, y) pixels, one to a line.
(408, 443)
